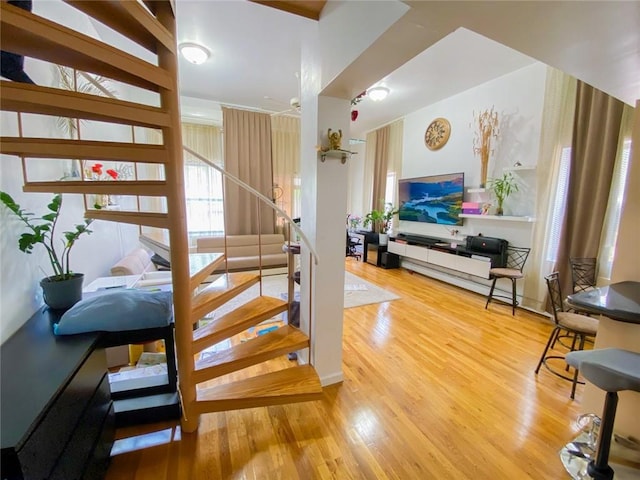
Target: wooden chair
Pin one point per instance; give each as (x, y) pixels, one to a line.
(516, 258)
(573, 324)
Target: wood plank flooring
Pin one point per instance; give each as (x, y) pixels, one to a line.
(435, 387)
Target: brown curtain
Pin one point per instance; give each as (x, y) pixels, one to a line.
(593, 153)
(247, 155)
(380, 167)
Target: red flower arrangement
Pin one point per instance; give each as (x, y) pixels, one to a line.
(97, 169)
(96, 172)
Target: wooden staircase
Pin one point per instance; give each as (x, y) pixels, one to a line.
(151, 24)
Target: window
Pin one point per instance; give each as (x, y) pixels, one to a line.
(390, 190)
(203, 190)
(559, 206)
(614, 207)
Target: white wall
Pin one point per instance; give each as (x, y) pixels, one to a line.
(347, 29)
(20, 294)
(518, 98)
(355, 192)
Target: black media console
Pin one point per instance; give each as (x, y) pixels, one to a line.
(476, 256)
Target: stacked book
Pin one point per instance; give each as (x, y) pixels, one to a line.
(471, 208)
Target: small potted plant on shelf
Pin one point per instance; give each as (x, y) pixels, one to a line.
(64, 288)
(502, 187)
(380, 221)
(353, 221)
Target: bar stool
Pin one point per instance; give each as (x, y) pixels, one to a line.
(611, 370)
(516, 258)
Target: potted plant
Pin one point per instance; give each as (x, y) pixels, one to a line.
(380, 221)
(503, 187)
(64, 288)
(353, 221)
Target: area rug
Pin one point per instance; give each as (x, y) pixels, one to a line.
(357, 292)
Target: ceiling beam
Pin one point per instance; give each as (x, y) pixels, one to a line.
(305, 8)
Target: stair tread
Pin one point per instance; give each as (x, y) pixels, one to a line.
(85, 149)
(34, 36)
(220, 291)
(28, 98)
(284, 340)
(149, 219)
(201, 265)
(132, 20)
(236, 321)
(154, 188)
(300, 383)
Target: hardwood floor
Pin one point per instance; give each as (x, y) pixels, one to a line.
(435, 387)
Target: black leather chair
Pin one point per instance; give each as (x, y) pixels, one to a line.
(352, 247)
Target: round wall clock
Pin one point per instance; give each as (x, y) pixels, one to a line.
(437, 134)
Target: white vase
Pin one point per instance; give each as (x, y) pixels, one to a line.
(383, 239)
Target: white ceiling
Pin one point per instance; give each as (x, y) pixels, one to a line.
(256, 52)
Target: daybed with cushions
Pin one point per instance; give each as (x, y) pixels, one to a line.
(243, 250)
(135, 262)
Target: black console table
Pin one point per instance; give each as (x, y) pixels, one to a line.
(57, 413)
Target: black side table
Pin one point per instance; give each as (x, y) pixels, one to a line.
(374, 254)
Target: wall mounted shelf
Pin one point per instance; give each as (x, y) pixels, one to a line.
(476, 190)
(500, 218)
(520, 168)
(341, 154)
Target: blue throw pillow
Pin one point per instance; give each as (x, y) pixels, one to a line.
(117, 311)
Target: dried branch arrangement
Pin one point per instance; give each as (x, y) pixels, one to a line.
(487, 127)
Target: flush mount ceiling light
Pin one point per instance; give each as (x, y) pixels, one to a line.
(378, 93)
(194, 53)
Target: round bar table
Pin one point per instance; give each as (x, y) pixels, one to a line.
(618, 305)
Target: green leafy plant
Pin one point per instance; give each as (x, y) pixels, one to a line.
(503, 187)
(380, 220)
(41, 230)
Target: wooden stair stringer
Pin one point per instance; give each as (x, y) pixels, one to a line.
(295, 384)
(284, 340)
(220, 291)
(237, 321)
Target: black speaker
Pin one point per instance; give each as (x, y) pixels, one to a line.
(389, 260)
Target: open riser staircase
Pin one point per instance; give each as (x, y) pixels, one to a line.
(151, 24)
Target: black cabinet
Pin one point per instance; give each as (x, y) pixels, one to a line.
(389, 260)
(374, 254)
(57, 411)
(56, 408)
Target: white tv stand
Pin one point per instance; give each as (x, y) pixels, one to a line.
(443, 255)
(436, 258)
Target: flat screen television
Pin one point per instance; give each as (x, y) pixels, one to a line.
(432, 199)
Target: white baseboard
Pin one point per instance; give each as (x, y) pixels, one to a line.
(332, 379)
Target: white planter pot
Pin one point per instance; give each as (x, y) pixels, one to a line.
(383, 239)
